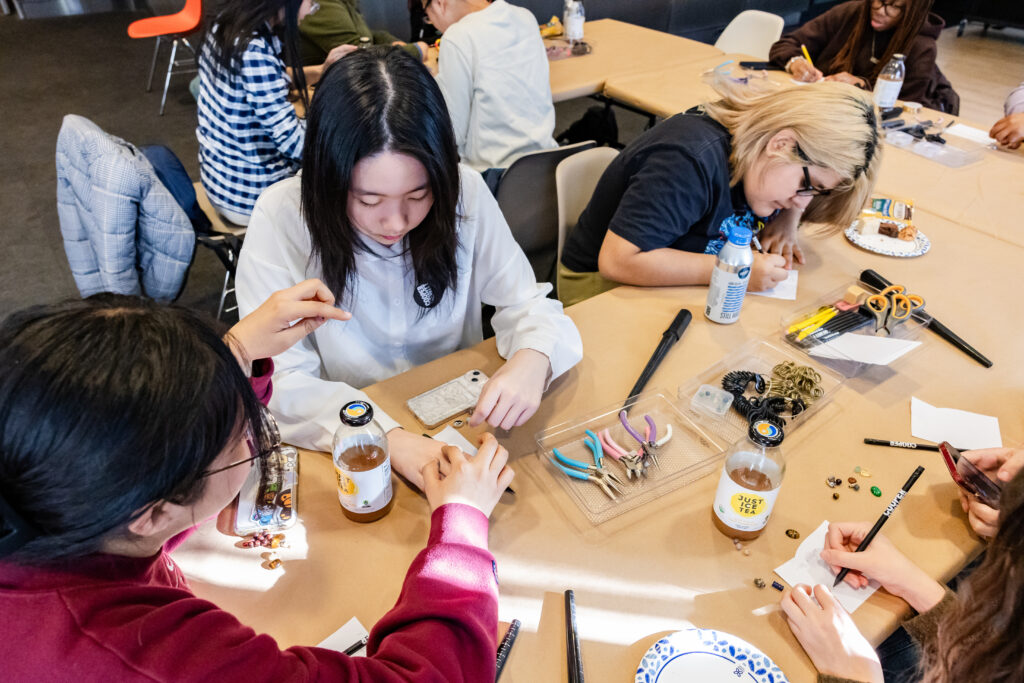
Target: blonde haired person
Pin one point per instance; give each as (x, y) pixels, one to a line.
(759, 159)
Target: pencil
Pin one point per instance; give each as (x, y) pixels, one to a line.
(881, 520)
(357, 646)
(572, 640)
(506, 646)
(807, 55)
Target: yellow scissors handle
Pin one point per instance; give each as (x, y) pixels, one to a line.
(903, 305)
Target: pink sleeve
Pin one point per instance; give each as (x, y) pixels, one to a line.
(262, 372)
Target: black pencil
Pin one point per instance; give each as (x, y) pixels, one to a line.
(901, 444)
(881, 520)
(506, 646)
(572, 640)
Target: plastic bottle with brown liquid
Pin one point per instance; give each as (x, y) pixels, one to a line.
(362, 463)
(750, 482)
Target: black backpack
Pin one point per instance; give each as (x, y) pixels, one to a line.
(597, 124)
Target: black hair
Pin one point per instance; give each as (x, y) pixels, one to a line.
(234, 23)
(108, 405)
(375, 100)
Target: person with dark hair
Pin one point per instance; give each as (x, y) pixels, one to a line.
(412, 243)
(853, 42)
(123, 423)
(249, 133)
(331, 23)
(971, 635)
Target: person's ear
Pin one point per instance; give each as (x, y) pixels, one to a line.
(155, 519)
(781, 144)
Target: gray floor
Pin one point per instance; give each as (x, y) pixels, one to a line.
(88, 65)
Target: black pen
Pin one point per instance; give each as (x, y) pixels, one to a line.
(356, 646)
(506, 646)
(881, 520)
(572, 640)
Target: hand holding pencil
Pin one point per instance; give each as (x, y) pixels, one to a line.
(804, 69)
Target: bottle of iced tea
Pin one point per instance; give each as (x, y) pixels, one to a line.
(362, 463)
(750, 482)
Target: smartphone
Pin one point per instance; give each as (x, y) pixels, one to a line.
(891, 113)
(970, 478)
(444, 402)
(761, 66)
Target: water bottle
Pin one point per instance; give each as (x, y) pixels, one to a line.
(365, 42)
(890, 80)
(362, 463)
(749, 483)
(573, 20)
(730, 278)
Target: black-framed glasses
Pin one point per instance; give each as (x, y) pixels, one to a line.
(888, 6)
(257, 454)
(808, 189)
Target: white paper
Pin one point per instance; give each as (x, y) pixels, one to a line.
(808, 567)
(784, 290)
(346, 636)
(865, 348)
(959, 427)
(452, 437)
(969, 133)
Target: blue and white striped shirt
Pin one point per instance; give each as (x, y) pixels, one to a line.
(249, 134)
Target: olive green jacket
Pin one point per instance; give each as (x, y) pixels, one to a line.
(338, 22)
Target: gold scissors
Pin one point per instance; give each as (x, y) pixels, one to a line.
(892, 306)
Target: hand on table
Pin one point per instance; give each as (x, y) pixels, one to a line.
(410, 453)
(1009, 130)
(472, 480)
(512, 395)
(829, 636)
(999, 464)
(848, 78)
(768, 270)
(780, 237)
(801, 70)
(880, 561)
(282, 320)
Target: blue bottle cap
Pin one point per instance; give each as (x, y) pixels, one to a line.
(740, 236)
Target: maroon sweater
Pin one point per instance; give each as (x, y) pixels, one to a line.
(826, 34)
(115, 618)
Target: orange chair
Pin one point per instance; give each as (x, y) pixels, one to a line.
(173, 27)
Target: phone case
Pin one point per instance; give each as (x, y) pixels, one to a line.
(440, 404)
(969, 477)
(269, 495)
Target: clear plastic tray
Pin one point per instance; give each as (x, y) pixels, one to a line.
(836, 360)
(758, 356)
(688, 456)
(956, 153)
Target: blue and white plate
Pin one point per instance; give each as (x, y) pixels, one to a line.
(888, 246)
(700, 654)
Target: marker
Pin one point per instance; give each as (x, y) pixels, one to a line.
(881, 520)
(506, 646)
(807, 55)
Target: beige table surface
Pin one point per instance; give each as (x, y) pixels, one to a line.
(619, 49)
(663, 566)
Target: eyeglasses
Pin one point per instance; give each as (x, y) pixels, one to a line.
(808, 189)
(261, 455)
(888, 6)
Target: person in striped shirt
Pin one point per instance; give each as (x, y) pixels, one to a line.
(249, 133)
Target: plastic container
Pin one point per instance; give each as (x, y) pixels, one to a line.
(890, 82)
(730, 278)
(573, 19)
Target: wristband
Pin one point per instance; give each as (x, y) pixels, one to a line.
(791, 60)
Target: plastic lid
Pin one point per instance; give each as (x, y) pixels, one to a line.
(765, 433)
(899, 56)
(356, 413)
(740, 236)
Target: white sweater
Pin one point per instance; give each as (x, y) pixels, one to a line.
(386, 336)
(493, 71)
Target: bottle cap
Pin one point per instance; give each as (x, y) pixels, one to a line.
(765, 433)
(356, 413)
(740, 236)
(899, 56)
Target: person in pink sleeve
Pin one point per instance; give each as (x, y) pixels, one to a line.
(122, 423)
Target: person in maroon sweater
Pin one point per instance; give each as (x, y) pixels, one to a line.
(853, 42)
(122, 423)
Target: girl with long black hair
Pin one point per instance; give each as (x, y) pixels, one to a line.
(123, 424)
(249, 133)
(412, 243)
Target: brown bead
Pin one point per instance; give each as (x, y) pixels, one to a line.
(792, 533)
(835, 496)
(852, 480)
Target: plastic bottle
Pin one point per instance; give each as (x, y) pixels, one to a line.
(750, 482)
(362, 463)
(730, 278)
(889, 83)
(365, 42)
(573, 19)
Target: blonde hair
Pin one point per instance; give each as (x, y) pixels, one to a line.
(835, 128)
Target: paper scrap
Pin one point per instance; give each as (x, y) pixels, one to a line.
(452, 437)
(865, 348)
(808, 567)
(345, 637)
(959, 427)
(784, 290)
(969, 133)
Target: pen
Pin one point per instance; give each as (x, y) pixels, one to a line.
(506, 646)
(508, 489)
(807, 55)
(881, 520)
(756, 243)
(572, 640)
(356, 646)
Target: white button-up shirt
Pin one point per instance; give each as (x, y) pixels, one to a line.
(389, 332)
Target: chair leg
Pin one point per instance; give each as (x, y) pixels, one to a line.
(152, 65)
(170, 68)
(223, 294)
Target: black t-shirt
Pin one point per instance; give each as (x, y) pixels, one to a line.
(668, 188)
